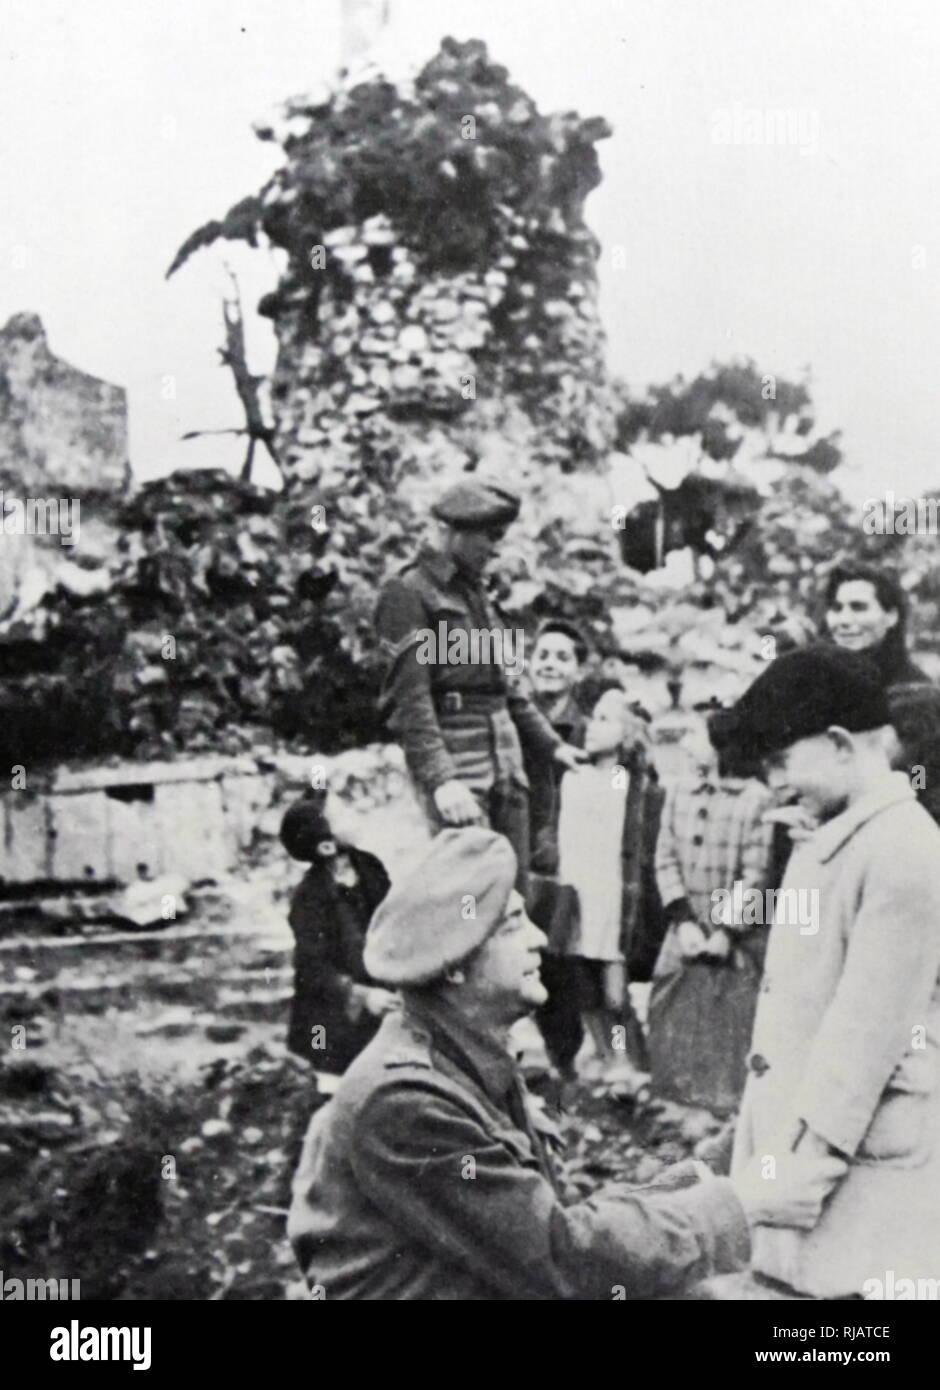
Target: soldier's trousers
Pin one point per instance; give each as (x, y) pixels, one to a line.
(505, 806)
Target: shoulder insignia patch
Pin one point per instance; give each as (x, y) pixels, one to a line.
(411, 1051)
(393, 650)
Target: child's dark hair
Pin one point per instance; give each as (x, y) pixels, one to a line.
(575, 635)
(733, 761)
(915, 714)
(305, 826)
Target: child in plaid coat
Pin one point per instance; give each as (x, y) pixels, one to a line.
(712, 836)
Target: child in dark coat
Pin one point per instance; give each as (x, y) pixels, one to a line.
(336, 1008)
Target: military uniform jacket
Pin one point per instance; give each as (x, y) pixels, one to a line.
(446, 713)
(425, 1177)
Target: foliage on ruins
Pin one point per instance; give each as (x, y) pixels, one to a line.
(436, 312)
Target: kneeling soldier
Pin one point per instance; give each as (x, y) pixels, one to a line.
(429, 1175)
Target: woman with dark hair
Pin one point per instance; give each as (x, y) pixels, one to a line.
(866, 611)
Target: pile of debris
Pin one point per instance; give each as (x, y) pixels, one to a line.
(213, 624)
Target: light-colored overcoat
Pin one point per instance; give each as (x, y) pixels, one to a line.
(845, 1042)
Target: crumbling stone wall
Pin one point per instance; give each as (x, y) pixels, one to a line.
(63, 435)
(441, 279)
(438, 309)
(59, 427)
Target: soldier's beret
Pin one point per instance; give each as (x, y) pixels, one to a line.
(474, 503)
(446, 907)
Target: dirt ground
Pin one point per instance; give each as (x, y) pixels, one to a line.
(170, 1178)
(151, 1118)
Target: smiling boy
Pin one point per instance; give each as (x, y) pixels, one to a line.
(844, 1057)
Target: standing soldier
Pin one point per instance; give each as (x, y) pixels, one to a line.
(462, 720)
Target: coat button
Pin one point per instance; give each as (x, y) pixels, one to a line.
(758, 1064)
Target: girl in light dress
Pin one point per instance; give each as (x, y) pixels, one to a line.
(606, 832)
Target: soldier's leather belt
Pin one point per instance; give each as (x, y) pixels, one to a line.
(469, 702)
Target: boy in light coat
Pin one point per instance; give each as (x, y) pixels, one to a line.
(844, 1054)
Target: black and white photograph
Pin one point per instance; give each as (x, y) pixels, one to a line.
(470, 664)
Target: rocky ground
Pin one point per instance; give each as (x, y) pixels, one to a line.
(150, 1117)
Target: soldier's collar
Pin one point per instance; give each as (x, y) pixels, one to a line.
(440, 567)
(444, 571)
(485, 1057)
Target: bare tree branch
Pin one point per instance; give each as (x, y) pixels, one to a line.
(234, 356)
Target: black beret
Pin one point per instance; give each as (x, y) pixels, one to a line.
(803, 693)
